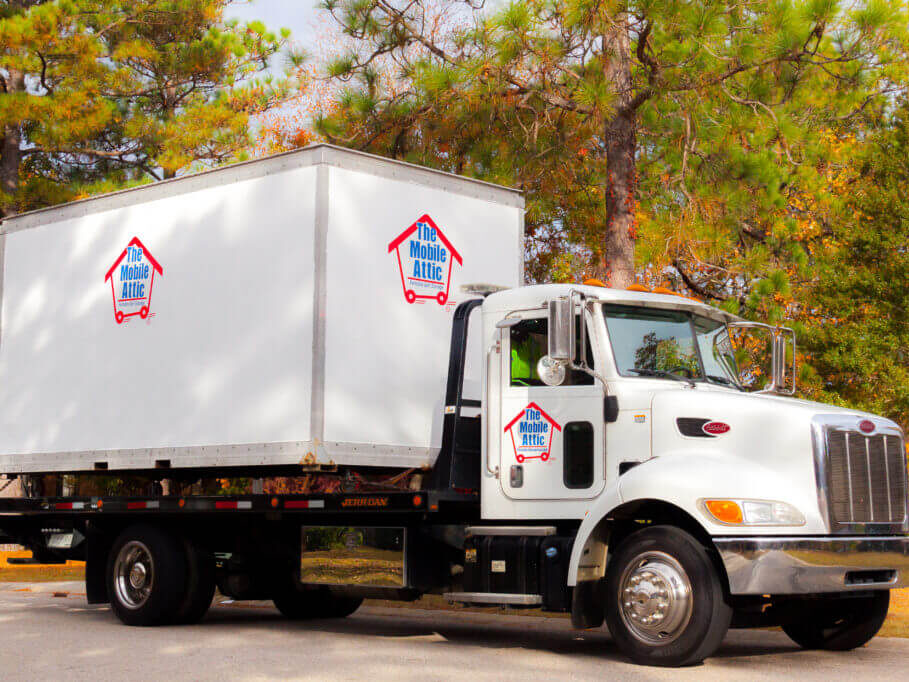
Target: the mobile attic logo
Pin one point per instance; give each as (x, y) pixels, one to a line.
(531, 433)
(132, 277)
(425, 259)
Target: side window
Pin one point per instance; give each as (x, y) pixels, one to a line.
(529, 341)
(577, 455)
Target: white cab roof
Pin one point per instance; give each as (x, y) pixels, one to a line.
(536, 295)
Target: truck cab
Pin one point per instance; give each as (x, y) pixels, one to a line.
(619, 417)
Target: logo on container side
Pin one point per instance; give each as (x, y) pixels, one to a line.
(531, 433)
(132, 277)
(425, 261)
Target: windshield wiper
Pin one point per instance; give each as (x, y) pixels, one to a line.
(722, 380)
(663, 374)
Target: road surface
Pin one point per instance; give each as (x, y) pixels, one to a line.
(44, 637)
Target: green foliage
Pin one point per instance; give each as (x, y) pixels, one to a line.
(857, 318)
(752, 124)
(101, 91)
(733, 106)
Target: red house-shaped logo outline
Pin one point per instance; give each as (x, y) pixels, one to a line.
(537, 450)
(142, 303)
(407, 281)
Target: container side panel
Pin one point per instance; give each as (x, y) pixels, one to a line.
(394, 279)
(201, 335)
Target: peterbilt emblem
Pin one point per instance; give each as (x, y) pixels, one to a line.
(866, 426)
(716, 428)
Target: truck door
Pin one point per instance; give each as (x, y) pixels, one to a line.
(552, 437)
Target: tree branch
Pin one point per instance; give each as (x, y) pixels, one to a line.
(43, 76)
(691, 284)
(653, 71)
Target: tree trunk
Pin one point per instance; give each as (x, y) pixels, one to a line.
(616, 258)
(10, 150)
(170, 97)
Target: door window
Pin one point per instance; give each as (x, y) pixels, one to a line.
(529, 343)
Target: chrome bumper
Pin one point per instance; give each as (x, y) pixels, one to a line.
(768, 565)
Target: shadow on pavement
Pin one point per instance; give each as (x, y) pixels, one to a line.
(488, 631)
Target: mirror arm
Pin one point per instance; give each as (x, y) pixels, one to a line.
(582, 365)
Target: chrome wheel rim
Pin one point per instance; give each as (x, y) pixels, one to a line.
(134, 574)
(655, 598)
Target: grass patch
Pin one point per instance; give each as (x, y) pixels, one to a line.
(897, 624)
(17, 573)
(41, 574)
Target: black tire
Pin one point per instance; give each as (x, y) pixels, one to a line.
(314, 604)
(200, 583)
(158, 556)
(840, 623)
(668, 564)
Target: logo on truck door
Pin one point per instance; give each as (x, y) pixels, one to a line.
(531, 433)
(132, 277)
(425, 261)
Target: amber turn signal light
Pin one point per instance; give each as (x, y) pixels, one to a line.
(724, 511)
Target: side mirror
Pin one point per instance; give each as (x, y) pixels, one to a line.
(561, 330)
(782, 366)
(783, 343)
(551, 372)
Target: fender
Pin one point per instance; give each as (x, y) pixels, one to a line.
(681, 480)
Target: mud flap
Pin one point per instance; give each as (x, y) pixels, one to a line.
(97, 547)
(587, 604)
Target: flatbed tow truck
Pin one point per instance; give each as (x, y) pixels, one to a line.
(573, 448)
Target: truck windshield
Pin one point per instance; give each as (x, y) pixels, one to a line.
(670, 344)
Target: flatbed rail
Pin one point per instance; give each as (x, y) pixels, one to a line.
(319, 503)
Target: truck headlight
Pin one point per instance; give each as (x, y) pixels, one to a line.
(752, 512)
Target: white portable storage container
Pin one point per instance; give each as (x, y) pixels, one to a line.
(291, 309)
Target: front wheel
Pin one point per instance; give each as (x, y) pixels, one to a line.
(840, 623)
(664, 600)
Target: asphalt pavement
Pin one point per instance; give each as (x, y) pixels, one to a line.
(49, 632)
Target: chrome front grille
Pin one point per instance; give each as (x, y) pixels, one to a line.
(866, 478)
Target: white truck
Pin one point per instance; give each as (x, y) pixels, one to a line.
(357, 326)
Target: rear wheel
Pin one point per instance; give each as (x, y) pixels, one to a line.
(146, 576)
(664, 600)
(200, 583)
(840, 623)
(315, 603)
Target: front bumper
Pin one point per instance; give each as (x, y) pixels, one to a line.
(786, 565)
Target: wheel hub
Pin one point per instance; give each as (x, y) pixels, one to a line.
(137, 576)
(655, 598)
(134, 575)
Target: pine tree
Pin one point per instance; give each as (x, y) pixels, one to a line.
(50, 95)
(856, 310)
(111, 91)
(667, 124)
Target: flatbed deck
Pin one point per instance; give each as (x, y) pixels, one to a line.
(17, 514)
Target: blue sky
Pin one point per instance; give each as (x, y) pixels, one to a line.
(297, 15)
